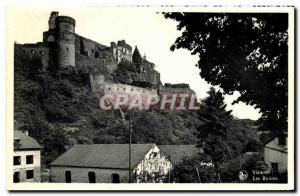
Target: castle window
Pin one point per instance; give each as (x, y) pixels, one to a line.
(32, 51)
(67, 49)
(109, 88)
(124, 89)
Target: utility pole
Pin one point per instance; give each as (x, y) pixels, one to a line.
(129, 147)
(130, 134)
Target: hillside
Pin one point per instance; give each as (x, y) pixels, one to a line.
(59, 110)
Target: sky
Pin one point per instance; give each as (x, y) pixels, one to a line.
(146, 29)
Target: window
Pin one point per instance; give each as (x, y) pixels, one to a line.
(67, 49)
(115, 178)
(16, 177)
(32, 51)
(92, 177)
(17, 160)
(29, 174)
(29, 159)
(68, 178)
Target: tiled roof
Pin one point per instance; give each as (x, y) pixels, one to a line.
(26, 142)
(103, 155)
(175, 153)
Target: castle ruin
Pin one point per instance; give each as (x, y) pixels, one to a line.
(115, 67)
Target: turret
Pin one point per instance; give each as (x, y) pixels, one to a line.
(65, 41)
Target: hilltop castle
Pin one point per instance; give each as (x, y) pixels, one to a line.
(111, 68)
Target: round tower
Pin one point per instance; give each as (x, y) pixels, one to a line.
(65, 41)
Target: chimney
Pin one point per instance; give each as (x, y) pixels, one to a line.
(282, 140)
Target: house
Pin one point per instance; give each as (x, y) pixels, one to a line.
(109, 163)
(275, 154)
(26, 158)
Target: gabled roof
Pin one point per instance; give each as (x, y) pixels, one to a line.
(175, 153)
(103, 155)
(26, 142)
(273, 144)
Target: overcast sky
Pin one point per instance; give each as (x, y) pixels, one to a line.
(150, 31)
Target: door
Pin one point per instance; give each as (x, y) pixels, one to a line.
(68, 177)
(92, 177)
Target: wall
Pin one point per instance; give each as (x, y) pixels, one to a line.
(274, 156)
(23, 167)
(121, 51)
(80, 175)
(65, 44)
(33, 51)
(154, 163)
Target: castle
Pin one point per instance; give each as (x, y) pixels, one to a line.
(111, 68)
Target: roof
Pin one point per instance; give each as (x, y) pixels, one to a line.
(273, 144)
(26, 142)
(175, 153)
(103, 155)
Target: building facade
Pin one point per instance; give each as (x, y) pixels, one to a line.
(26, 158)
(109, 163)
(275, 154)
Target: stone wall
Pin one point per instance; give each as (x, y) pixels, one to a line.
(80, 174)
(33, 51)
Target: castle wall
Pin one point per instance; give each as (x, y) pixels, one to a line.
(121, 51)
(90, 48)
(104, 66)
(33, 51)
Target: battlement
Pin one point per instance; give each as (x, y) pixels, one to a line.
(65, 19)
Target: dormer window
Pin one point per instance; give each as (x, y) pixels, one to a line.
(17, 143)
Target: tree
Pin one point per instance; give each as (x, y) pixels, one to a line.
(214, 132)
(242, 52)
(194, 170)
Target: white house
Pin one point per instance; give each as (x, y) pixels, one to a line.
(275, 154)
(26, 158)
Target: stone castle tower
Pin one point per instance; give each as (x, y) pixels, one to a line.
(61, 37)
